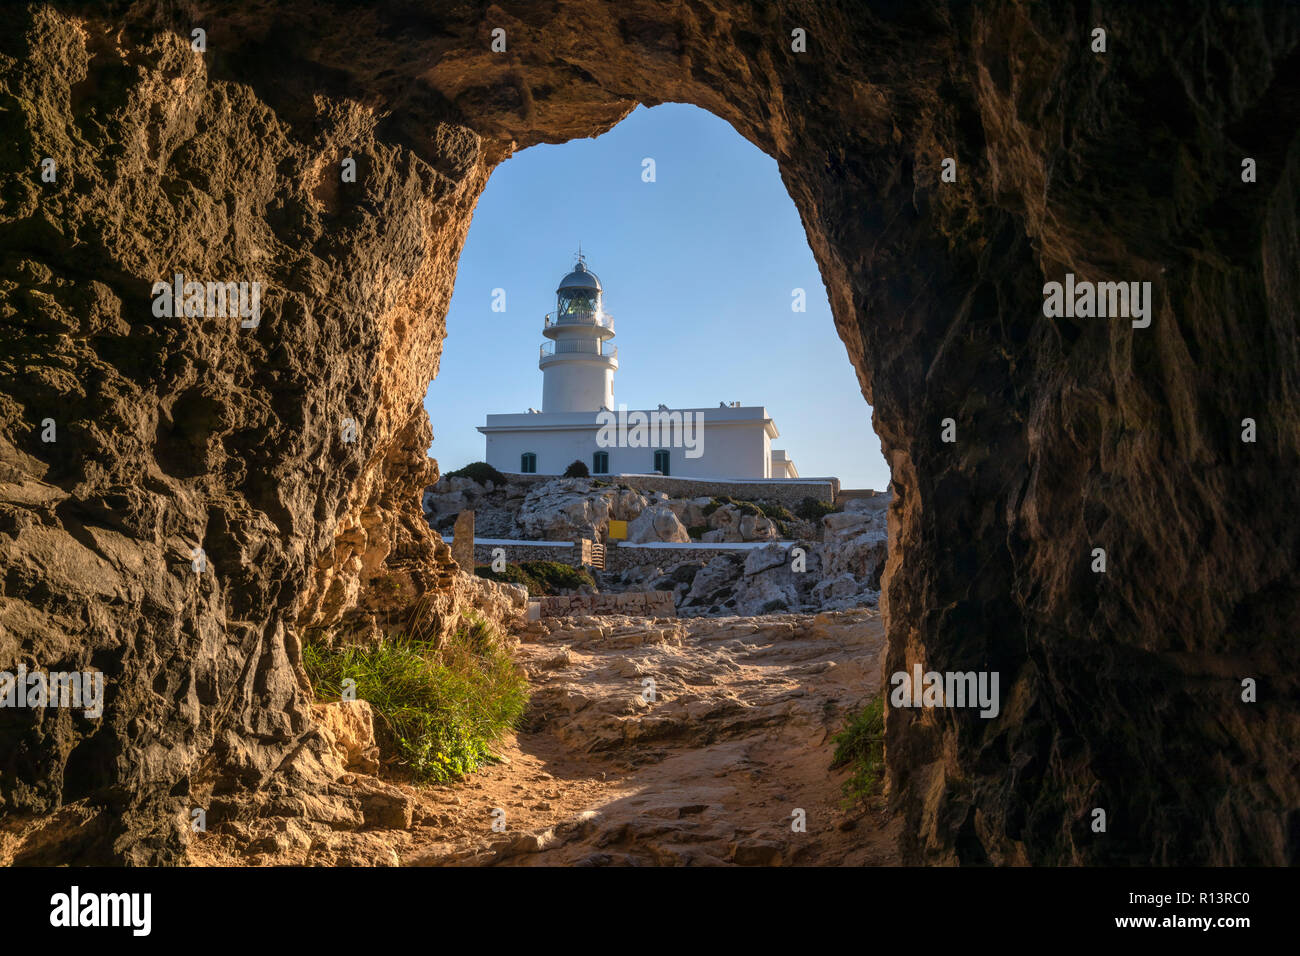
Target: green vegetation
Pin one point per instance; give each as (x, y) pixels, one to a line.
(440, 705)
(811, 509)
(745, 507)
(577, 469)
(540, 577)
(696, 531)
(861, 745)
(479, 471)
(776, 511)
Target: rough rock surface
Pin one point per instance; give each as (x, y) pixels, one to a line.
(854, 547)
(841, 571)
(570, 508)
(1121, 690)
(656, 523)
(351, 723)
(729, 524)
(706, 771)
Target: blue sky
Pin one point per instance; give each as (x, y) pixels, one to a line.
(698, 269)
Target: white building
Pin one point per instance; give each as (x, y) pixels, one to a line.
(579, 421)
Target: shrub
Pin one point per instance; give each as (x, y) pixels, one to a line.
(776, 511)
(441, 706)
(554, 576)
(540, 577)
(861, 745)
(696, 531)
(513, 574)
(577, 469)
(479, 471)
(745, 507)
(811, 509)
(774, 605)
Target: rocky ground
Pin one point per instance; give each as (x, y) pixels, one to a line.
(843, 553)
(713, 770)
(567, 508)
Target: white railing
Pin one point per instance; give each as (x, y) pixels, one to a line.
(589, 348)
(600, 319)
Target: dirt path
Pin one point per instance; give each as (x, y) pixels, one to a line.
(712, 771)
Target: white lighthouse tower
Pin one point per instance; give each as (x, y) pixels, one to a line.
(577, 364)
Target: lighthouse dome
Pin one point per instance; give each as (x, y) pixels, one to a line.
(580, 278)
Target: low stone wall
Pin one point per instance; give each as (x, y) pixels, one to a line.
(618, 557)
(519, 551)
(632, 603)
(624, 557)
(788, 492)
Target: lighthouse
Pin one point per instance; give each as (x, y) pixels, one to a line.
(578, 363)
(578, 421)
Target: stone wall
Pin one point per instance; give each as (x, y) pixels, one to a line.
(625, 556)
(633, 603)
(517, 552)
(788, 493)
(618, 557)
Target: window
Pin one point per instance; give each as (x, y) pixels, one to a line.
(528, 463)
(600, 463)
(661, 462)
(578, 302)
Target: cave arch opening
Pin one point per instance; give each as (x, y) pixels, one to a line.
(707, 268)
(717, 293)
(708, 280)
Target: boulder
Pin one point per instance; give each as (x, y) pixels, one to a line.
(657, 523)
(569, 508)
(855, 543)
(690, 511)
(714, 582)
(351, 728)
(726, 521)
(439, 505)
(758, 528)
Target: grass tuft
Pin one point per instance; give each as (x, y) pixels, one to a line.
(861, 745)
(440, 707)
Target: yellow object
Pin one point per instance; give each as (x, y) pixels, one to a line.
(618, 531)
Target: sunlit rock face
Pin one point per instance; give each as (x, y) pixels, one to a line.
(1119, 690)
